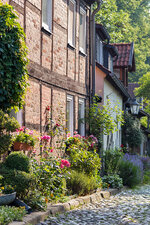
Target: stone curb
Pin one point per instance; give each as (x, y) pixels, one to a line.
(35, 217)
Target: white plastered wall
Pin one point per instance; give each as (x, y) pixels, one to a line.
(113, 140)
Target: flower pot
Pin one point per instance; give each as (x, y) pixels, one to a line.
(18, 146)
(7, 198)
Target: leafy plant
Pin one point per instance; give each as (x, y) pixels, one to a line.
(146, 177)
(49, 177)
(130, 173)
(21, 181)
(9, 214)
(114, 181)
(18, 161)
(103, 119)
(24, 135)
(13, 60)
(80, 183)
(7, 189)
(7, 125)
(111, 160)
(132, 134)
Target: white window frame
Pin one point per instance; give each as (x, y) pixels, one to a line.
(82, 103)
(70, 100)
(99, 50)
(83, 48)
(48, 26)
(72, 42)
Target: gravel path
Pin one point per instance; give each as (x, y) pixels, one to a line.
(127, 208)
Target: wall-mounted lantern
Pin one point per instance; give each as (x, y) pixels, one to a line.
(134, 106)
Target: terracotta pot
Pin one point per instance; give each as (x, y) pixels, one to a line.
(18, 146)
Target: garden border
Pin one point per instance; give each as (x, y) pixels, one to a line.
(35, 217)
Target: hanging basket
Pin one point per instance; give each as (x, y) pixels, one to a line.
(18, 146)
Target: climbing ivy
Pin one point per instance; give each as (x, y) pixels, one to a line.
(13, 60)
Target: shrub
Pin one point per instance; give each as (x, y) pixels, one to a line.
(19, 180)
(146, 162)
(146, 177)
(18, 161)
(7, 125)
(9, 214)
(111, 159)
(114, 181)
(84, 161)
(130, 173)
(135, 159)
(49, 177)
(80, 183)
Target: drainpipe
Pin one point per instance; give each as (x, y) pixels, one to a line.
(93, 41)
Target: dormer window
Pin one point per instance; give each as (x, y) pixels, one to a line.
(99, 50)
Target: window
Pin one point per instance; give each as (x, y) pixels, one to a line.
(70, 114)
(71, 22)
(82, 38)
(81, 116)
(17, 115)
(47, 14)
(99, 49)
(110, 62)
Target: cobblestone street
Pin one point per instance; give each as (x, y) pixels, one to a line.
(127, 208)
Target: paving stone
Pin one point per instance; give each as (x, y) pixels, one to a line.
(130, 207)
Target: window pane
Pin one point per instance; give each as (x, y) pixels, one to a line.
(71, 23)
(82, 40)
(44, 11)
(81, 116)
(68, 116)
(47, 14)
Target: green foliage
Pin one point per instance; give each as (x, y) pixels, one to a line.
(123, 20)
(49, 177)
(35, 200)
(18, 161)
(103, 119)
(80, 183)
(144, 86)
(84, 161)
(114, 181)
(146, 177)
(9, 214)
(7, 189)
(25, 138)
(132, 133)
(7, 125)
(130, 174)
(19, 180)
(111, 160)
(13, 59)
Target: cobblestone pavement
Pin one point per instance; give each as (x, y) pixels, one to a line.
(126, 208)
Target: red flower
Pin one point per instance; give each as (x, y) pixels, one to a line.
(48, 108)
(121, 145)
(57, 125)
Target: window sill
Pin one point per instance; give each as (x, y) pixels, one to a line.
(70, 46)
(82, 53)
(46, 31)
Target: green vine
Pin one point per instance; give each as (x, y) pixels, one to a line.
(13, 60)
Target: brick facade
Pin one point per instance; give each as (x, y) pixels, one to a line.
(55, 69)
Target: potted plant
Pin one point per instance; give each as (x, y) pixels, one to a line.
(24, 139)
(7, 195)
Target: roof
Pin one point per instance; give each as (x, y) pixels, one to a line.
(126, 56)
(113, 79)
(102, 32)
(112, 50)
(131, 87)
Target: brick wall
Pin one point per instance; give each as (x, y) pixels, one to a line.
(55, 69)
